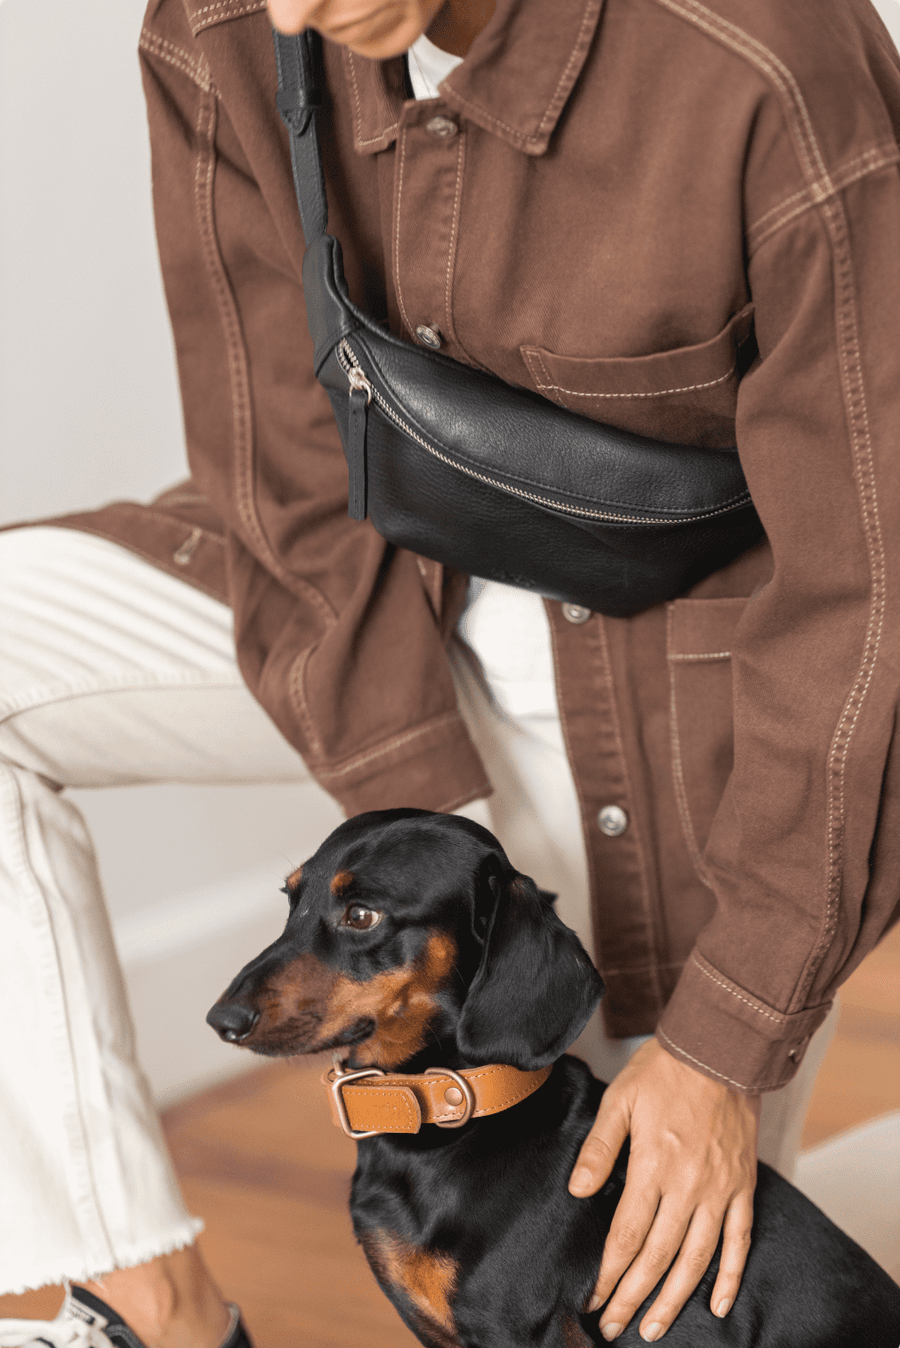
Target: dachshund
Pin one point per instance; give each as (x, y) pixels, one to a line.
(452, 989)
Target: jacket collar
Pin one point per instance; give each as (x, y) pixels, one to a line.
(514, 82)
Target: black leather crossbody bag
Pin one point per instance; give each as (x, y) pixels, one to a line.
(493, 480)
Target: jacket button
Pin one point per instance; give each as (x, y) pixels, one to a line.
(442, 128)
(575, 613)
(612, 820)
(428, 336)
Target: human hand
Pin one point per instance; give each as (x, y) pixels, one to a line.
(375, 28)
(691, 1174)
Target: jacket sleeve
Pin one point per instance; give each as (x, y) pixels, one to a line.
(325, 611)
(804, 852)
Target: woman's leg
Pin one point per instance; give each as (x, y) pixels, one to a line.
(111, 672)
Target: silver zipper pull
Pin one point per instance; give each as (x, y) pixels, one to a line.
(359, 382)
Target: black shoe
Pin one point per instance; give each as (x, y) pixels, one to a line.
(80, 1304)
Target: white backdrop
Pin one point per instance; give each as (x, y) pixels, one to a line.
(88, 412)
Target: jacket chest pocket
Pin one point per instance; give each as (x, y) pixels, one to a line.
(685, 396)
(700, 634)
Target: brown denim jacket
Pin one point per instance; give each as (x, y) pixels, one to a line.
(676, 217)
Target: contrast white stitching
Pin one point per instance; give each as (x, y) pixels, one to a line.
(754, 1006)
(519, 135)
(373, 140)
(660, 393)
(534, 354)
(227, 12)
(238, 374)
(687, 824)
(864, 160)
(397, 219)
(297, 696)
(160, 47)
(766, 1086)
(537, 355)
(451, 247)
(226, 4)
(535, 138)
(766, 61)
(713, 655)
(588, 18)
(387, 748)
(861, 446)
(634, 832)
(841, 179)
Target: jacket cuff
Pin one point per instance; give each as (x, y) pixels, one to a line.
(716, 1026)
(432, 767)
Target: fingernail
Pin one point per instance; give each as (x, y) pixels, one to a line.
(593, 1305)
(723, 1307)
(652, 1332)
(611, 1331)
(580, 1183)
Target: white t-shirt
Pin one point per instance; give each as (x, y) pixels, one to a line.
(506, 627)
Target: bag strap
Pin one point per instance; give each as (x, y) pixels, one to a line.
(300, 98)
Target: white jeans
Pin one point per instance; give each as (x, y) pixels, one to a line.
(111, 673)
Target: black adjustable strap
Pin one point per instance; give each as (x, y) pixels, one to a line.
(301, 87)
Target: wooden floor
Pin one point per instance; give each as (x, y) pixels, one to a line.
(261, 1162)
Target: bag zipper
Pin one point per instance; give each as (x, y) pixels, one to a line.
(362, 391)
(360, 396)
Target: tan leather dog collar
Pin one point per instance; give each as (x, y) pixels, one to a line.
(371, 1101)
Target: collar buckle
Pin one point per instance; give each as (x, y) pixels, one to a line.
(343, 1078)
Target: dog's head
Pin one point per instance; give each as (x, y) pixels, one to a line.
(412, 941)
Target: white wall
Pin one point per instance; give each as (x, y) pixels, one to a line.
(89, 412)
(88, 396)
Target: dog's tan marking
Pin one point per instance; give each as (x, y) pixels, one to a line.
(341, 881)
(573, 1335)
(293, 879)
(400, 1001)
(307, 1005)
(290, 1006)
(427, 1278)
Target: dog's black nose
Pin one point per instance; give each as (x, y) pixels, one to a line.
(231, 1020)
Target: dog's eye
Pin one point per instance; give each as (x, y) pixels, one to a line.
(360, 918)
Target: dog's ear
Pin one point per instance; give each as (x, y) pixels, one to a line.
(535, 988)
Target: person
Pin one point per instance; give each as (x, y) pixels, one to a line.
(674, 216)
